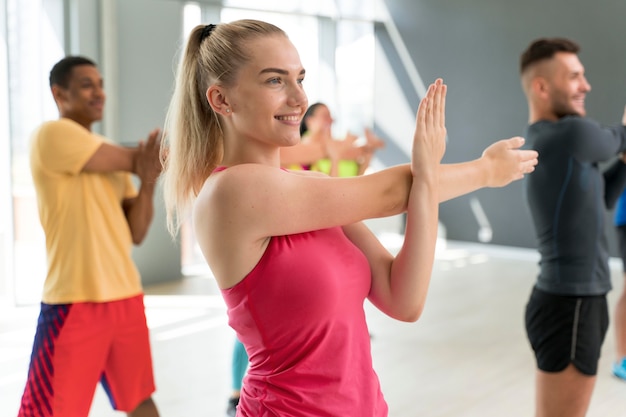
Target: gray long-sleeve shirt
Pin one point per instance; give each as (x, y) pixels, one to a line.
(567, 196)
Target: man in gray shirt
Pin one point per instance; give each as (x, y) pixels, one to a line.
(567, 315)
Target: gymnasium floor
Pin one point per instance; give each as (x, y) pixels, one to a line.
(467, 355)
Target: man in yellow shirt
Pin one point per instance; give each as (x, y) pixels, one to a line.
(92, 326)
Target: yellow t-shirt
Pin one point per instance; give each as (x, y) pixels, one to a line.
(88, 240)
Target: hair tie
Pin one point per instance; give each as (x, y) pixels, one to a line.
(207, 31)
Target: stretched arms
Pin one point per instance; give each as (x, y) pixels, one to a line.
(400, 284)
(140, 209)
(239, 209)
(500, 164)
(142, 161)
(302, 153)
(401, 291)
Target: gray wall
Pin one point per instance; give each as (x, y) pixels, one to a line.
(136, 44)
(148, 37)
(475, 47)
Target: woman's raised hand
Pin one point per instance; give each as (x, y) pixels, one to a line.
(429, 140)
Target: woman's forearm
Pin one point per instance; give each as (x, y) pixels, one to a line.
(454, 180)
(500, 164)
(412, 267)
(458, 179)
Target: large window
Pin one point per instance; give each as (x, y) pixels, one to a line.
(354, 69)
(6, 211)
(34, 41)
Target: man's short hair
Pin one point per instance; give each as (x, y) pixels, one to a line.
(62, 71)
(545, 48)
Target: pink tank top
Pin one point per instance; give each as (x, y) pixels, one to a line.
(299, 313)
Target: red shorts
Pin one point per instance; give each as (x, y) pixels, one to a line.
(77, 345)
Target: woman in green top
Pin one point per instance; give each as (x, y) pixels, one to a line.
(345, 158)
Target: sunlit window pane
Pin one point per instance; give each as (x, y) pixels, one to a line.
(34, 38)
(192, 17)
(354, 68)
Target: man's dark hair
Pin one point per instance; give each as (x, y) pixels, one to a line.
(546, 48)
(62, 71)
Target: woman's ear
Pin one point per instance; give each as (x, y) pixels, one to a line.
(217, 100)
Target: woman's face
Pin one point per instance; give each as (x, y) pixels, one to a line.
(320, 119)
(268, 100)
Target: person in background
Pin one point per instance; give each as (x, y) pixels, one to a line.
(567, 316)
(288, 249)
(92, 326)
(239, 365)
(619, 366)
(345, 158)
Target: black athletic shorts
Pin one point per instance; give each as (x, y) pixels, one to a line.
(566, 329)
(621, 240)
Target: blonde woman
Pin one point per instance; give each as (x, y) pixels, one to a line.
(288, 249)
